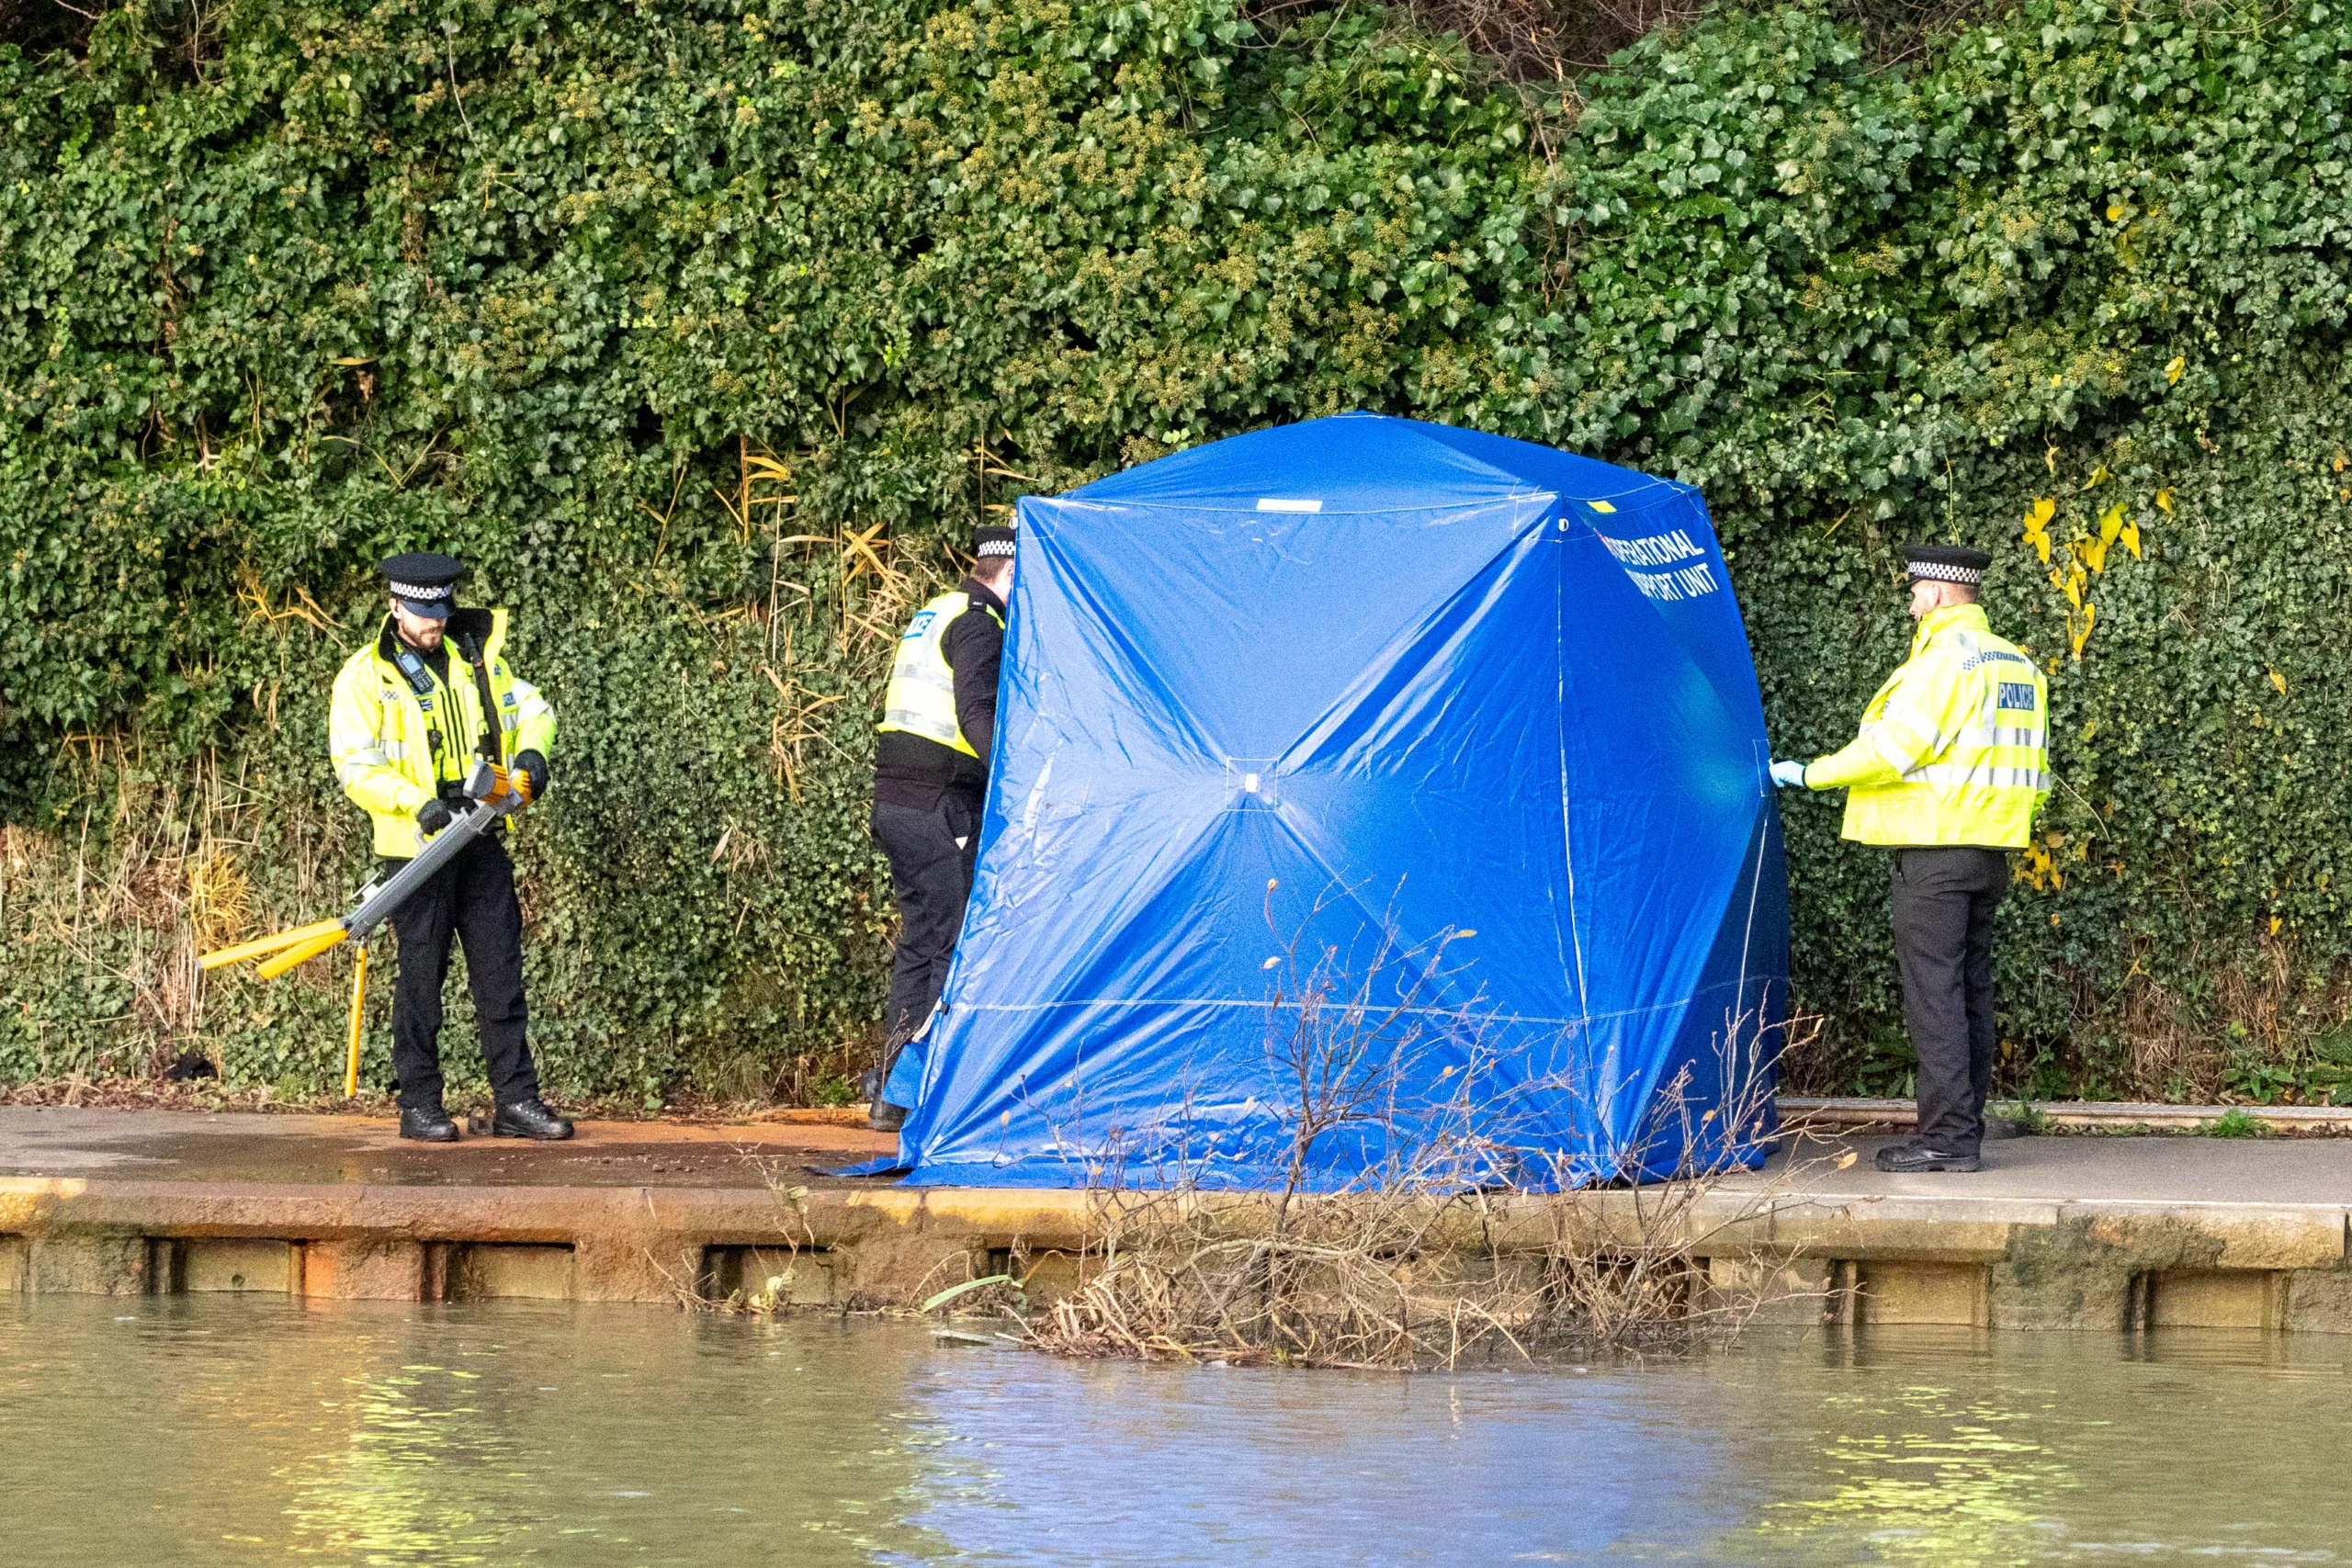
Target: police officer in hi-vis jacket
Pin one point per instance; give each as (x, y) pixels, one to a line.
(1950, 767)
(931, 775)
(414, 712)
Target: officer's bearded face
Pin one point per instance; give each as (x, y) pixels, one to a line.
(417, 631)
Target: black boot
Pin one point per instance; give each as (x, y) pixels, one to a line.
(1913, 1158)
(529, 1119)
(427, 1125)
(880, 1114)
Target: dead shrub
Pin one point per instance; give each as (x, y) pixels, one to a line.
(1459, 1239)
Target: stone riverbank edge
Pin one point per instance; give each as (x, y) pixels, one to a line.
(2055, 1234)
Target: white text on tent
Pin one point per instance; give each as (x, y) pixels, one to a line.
(1665, 549)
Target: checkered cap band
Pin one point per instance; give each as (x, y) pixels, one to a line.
(428, 593)
(1939, 571)
(996, 548)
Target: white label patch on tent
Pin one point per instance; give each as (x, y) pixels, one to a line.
(1276, 503)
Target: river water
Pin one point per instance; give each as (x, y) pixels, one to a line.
(234, 1431)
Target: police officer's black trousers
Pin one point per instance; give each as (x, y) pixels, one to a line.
(930, 876)
(1943, 905)
(471, 898)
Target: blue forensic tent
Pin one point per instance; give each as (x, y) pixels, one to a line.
(1369, 738)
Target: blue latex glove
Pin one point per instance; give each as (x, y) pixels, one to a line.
(1789, 775)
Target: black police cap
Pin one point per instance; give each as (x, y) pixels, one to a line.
(423, 580)
(422, 568)
(1946, 563)
(993, 539)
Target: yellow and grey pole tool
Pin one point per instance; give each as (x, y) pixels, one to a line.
(494, 793)
(358, 1006)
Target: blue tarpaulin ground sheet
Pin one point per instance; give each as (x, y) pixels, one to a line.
(1372, 801)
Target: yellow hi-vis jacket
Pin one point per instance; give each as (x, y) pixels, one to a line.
(922, 698)
(394, 745)
(1954, 749)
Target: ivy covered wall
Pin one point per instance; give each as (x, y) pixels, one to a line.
(705, 330)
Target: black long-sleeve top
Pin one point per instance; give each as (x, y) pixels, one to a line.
(914, 770)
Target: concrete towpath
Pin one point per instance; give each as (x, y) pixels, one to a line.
(2079, 1231)
(235, 1149)
(231, 1149)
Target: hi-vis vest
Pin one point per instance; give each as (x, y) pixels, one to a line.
(1954, 749)
(922, 698)
(394, 745)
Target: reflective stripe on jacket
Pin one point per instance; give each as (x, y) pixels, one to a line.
(1954, 749)
(922, 698)
(381, 732)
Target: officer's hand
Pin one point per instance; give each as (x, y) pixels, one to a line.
(433, 816)
(534, 768)
(1789, 775)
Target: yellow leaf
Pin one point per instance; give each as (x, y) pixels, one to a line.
(2274, 925)
(2278, 681)
(2094, 554)
(372, 360)
(2100, 476)
(2057, 380)
(2115, 213)
(2339, 462)
(1849, 1158)
(2090, 614)
(2173, 370)
(2037, 527)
